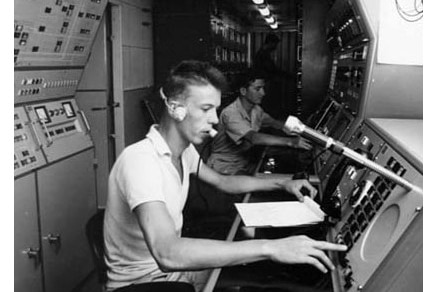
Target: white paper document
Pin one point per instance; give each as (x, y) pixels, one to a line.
(280, 214)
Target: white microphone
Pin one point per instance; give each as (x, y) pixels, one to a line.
(212, 133)
(293, 124)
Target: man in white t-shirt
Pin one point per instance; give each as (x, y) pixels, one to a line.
(148, 187)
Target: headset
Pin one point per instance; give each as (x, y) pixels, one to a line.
(177, 111)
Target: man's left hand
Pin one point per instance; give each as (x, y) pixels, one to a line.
(295, 187)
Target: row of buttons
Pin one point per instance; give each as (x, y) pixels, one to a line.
(28, 81)
(29, 160)
(60, 131)
(20, 138)
(50, 84)
(29, 91)
(60, 83)
(56, 112)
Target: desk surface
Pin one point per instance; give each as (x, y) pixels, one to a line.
(215, 273)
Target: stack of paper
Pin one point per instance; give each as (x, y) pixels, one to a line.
(280, 214)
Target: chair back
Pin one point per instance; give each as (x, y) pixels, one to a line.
(94, 233)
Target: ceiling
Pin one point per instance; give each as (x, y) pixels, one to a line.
(284, 12)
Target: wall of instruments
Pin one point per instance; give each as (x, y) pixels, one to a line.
(53, 151)
(379, 221)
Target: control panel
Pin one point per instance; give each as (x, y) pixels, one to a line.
(342, 180)
(334, 121)
(348, 75)
(341, 112)
(368, 212)
(345, 27)
(34, 85)
(55, 32)
(28, 154)
(60, 126)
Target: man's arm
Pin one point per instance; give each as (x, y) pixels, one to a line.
(257, 138)
(237, 184)
(173, 253)
(295, 140)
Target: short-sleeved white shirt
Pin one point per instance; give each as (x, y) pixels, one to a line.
(142, 173)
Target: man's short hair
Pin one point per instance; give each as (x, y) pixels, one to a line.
(272, 39)
(248, 77)
(191, 72)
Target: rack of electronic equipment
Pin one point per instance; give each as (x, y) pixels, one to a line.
(379, 221)
(53, 151)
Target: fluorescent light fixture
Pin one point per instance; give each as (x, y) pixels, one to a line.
(270, 19)
(274, 25)
(258, 2)
(264, 11)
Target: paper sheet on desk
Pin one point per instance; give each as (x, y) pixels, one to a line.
(280, 214)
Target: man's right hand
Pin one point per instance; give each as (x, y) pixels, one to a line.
(302, 250)
(300, 143)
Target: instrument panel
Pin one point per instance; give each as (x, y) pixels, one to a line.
(55, 32)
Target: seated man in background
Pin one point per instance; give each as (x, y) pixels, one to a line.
(148, 188)
(238, 130)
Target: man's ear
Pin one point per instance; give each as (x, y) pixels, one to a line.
(243, 91)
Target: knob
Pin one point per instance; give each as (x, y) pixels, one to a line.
(53, 238)
(31, 252)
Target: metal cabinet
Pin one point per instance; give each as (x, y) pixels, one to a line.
(27, 251)
(66, 204)
(96, 108)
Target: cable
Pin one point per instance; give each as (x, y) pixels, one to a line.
(197, 173)
(413, 15)
(314, 159)
(421, 5)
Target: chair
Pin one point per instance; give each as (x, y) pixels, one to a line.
(94, 233)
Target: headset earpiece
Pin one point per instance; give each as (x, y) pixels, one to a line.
(178, 112)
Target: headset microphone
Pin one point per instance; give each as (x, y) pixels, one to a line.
(178, 112)
(212, 133)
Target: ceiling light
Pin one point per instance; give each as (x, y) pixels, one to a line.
(258, 2)
(270, 19)
(274, 25)
(264, 11)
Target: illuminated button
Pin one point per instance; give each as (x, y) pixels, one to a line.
(352, 172)
(365, 140)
